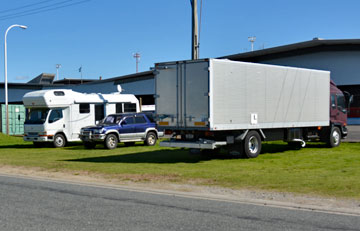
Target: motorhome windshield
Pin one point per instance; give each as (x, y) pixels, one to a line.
(112, 119)
(37, 116)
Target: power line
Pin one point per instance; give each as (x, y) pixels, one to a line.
(25, 6)
(36, 11)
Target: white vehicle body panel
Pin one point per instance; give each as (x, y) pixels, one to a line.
(69, 103)
(217, 95)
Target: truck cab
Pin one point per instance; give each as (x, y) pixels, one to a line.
(338, 109)
(338, 116)
(46, 125)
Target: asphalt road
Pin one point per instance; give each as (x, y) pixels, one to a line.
(353, 133)
(29, 204)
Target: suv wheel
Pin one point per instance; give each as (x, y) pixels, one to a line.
(150, 139)
(111, 141)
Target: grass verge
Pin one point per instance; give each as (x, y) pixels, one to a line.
(315, 170)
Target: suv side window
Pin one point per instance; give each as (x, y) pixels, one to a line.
(140, 119)
(129, 107)
(129, 120)
(55, 115)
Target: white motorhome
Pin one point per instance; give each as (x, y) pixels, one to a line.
(58, 115)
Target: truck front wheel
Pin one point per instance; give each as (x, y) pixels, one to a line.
(252, 144)
(111, 141)
(334, 138)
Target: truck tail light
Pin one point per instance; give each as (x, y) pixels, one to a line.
(199, 123)
(207, 133)
(168, 132)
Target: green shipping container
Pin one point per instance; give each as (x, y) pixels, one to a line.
(16, 119)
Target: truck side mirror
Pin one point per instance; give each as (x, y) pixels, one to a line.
(351, 99)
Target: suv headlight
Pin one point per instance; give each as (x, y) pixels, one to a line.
(98, 131)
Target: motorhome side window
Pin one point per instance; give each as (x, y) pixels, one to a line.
(55, 115)
(84, 108)
(129, 107)
(119, 108)
(59, 93)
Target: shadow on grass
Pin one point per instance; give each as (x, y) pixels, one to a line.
(16, 146)
(154, 157)
(180, 156)
(276, 148)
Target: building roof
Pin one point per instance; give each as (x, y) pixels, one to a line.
(73, 81)
(43, 78)
(315, 45)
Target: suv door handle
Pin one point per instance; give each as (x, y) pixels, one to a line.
(63, 125)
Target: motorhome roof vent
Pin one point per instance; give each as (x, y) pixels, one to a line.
(59, 93)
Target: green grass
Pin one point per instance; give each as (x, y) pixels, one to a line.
(315, 170)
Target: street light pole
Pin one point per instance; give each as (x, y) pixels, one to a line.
(6, 82)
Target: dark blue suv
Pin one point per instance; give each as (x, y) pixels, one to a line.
(127, 128)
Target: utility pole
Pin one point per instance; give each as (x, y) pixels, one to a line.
(252, 40)
(195, 31)
(137, 57)
(57, 71)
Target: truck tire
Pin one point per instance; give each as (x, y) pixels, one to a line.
(111, 141)
(59, 141)
(89, 145)
(334, 139)
(150, 139)
(252, 144)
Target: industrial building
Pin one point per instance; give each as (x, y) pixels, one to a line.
(341, 57)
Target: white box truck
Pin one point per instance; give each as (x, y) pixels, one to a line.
(58, 115)
(211, 103)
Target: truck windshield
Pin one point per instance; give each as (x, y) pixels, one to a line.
(37, 116)
(112, 119)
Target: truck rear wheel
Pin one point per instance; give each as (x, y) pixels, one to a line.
(334, 138)
(59, 141)
(252, 144)
(111, 141)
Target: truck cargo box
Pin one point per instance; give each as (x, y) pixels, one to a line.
(215, 94)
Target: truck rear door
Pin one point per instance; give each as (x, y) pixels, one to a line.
(182, 94)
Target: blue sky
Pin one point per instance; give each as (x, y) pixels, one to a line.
(103, 35)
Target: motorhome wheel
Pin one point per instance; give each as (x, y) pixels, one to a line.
(59, 141)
